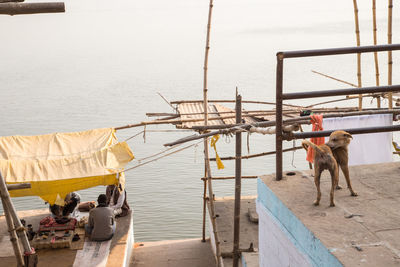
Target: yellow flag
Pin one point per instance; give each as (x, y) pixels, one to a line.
(214, 140)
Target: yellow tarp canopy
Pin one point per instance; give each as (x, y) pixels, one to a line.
(57, 164)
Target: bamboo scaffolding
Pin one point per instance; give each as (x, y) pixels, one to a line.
(245, 126)
(390, 62)
(254, 112)
(374, 29)
(174, 121)
(358, 54)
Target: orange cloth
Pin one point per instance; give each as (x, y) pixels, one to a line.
(316, 121)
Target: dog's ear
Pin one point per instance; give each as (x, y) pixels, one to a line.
(346, 134)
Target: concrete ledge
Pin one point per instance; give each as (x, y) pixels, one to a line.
(294, 229)
(358, 231)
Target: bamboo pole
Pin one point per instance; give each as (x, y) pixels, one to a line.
(256, 112)
(358, 54)
(232, 177)
(374, 29)
(333, 78)
(259, 154)
(390, 62)
(206, 153)
(13, 235)
(238, 184)
(231, 101)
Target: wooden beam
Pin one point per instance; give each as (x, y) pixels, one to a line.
(18, 186)
(31, 8)
(8, 1)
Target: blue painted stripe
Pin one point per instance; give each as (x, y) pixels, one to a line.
(244, 263)
(296, 231)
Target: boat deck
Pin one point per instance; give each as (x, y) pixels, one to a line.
(117, 254)
(358, 231)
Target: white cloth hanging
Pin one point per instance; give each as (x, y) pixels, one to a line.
(365, 148)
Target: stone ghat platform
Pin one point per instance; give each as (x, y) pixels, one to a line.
(358, 231)
(117, 252)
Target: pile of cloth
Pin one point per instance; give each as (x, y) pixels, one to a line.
(49, 223)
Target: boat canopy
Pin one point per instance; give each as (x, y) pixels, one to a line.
(59, 163)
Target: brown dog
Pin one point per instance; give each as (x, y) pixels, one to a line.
(338, 142)
(327, 157)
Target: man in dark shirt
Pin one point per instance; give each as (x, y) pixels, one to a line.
(101, 225)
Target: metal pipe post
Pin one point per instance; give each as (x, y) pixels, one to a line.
(339, 92)
(339, 51)
(365, 130)
(278, 134)
(238, 184)
(204, 210)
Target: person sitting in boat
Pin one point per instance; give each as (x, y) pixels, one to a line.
(101, 224)
(71, 202)
(116, 199)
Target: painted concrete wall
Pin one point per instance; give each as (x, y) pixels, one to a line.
(275, 248)
(283, 239)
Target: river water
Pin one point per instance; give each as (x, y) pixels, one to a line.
(102, 63)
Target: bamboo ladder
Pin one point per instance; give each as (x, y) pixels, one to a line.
(15, 228)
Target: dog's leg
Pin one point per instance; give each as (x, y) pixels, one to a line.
(317, 177)
(345, 170)
(335, 180)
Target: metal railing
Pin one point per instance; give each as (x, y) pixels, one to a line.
(280, 96)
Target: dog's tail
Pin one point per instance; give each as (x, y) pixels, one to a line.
(306, 144)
